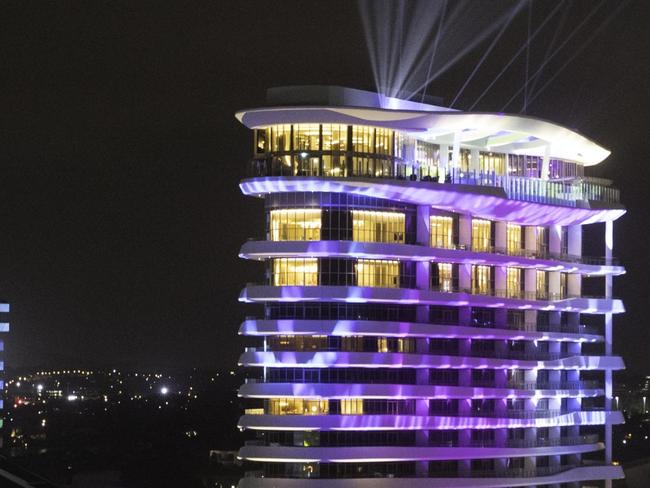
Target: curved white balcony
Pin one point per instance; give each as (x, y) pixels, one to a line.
(356, 294)
(260, 327)
(260, 250)
(388, 454)
(367, 422)
(344, 359)
(480, 201)
(401, 391)
(538, 477)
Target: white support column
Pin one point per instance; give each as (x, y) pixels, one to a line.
(444, 162)
(609, 246)
(465, 240)
(546, 162)
(555, 239)
(455, 154)
(474, 161)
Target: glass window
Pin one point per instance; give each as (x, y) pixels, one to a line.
(306, 137)
(335, 137)
(262, 141)
(300, 224)
(297, 406)
(351, 406)
(372, 226)
(295, 272)
(492, 163)
(427, 156)
(481, 279)
(375, 272)
(513, 238)
(383, 142)
(481, 235)
(542, 241)
(513, 282)
(541, 286)
(280, 138)
(443, 274)
(362, 139)
(442, 231)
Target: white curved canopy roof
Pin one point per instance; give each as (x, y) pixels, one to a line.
(497, 132)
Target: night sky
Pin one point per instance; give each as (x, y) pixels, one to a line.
(120, 157)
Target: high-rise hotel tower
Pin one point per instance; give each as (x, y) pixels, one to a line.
(422, 321)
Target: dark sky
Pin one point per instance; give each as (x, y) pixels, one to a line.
(120, 212)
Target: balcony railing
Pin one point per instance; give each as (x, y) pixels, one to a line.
(566, 192)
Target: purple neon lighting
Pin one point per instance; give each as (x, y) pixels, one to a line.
(412, 422)
(401, 329)
(401, 391)
(401, 453)
(340, 359)
(355, 294)
(490, 204)
(373, 250)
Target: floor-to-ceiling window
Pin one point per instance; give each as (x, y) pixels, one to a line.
(514, 281)
(481, 235)
(376, 272)
(300, 224)
(295, 272)
(481, 279)
(442, 231)
(514, 238)
(374, 226)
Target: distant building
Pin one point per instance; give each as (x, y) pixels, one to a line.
(4, 327)
(423, 298)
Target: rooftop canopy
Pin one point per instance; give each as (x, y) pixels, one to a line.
(497, 132)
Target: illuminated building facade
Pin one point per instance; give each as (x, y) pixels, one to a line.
(4, 327)
(423, 311)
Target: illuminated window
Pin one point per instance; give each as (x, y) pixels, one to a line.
(363, 139)
(295, 272)
(443, 277)
(513, 282)
(352, 343)
(335, 144)
(405, 345)
(297, 343)
(542, 240)
(262, 141)
(306, 137)
(351, 406)
(563, 285)
(481, 279)
(481, 235)
(442, 231)
(280, 136)
(492, 163)
(375, 272)
(373, 226)
(297, 406)
(513, 238)
(301, 224)
(427, 156)
(541, 285)
(382, 345)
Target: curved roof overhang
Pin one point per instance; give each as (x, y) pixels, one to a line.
(498, 132)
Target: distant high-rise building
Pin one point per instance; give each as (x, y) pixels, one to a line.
(4, 327)
(423, 298)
